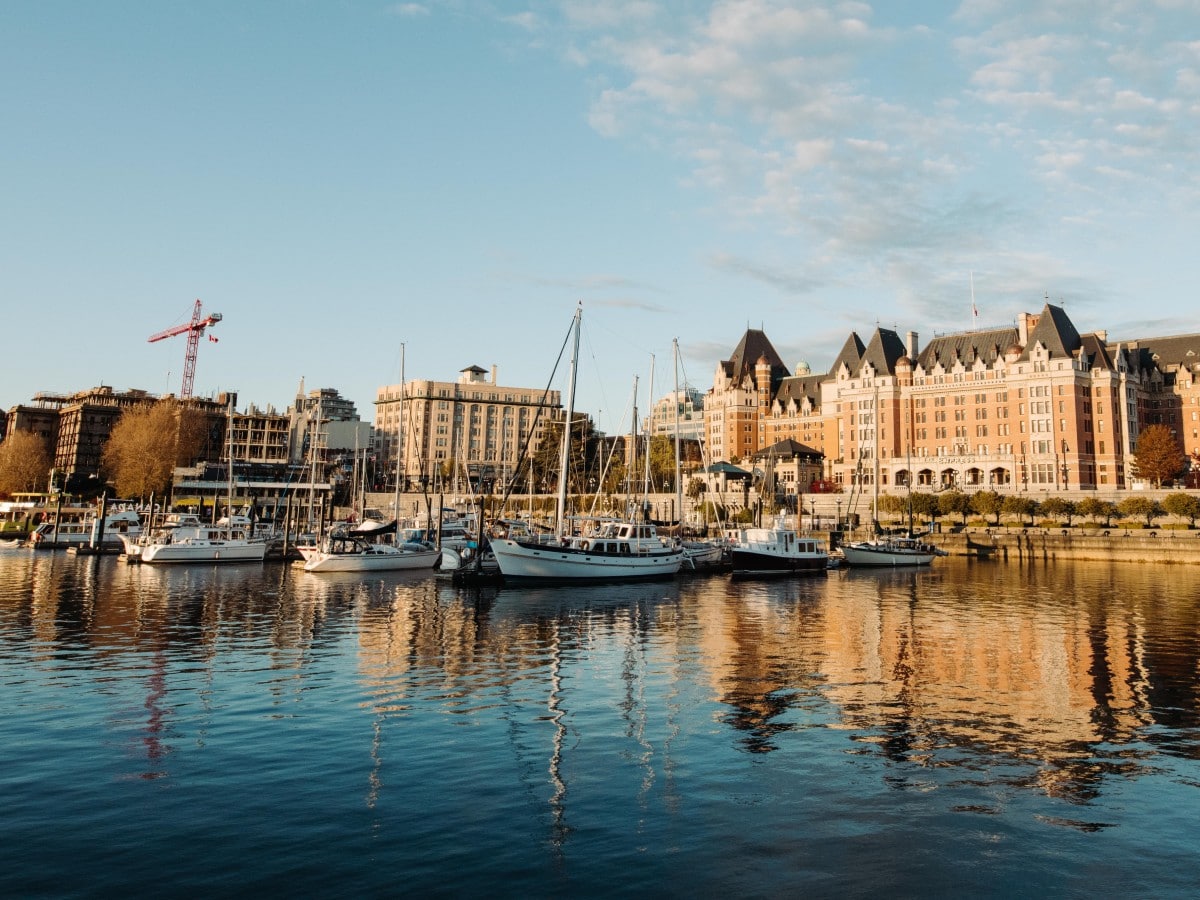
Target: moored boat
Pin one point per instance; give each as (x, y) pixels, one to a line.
(616, 551)
(118, 524)
(777, 550)
(344, 549)
(183, 538)
(906, 550)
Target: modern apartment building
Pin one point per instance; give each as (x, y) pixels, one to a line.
(1033, 407)
(473, 427)
(682, 411)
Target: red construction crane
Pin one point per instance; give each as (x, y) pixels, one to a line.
(194, 329)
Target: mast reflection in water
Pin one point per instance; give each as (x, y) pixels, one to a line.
(969, 728)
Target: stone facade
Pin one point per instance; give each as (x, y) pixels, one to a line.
(473, 427)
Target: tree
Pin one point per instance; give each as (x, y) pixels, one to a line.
(924, 505)
(987, 503)
(954, 502)
(24, 463)
(147, 443)
(662, 461)
(893, 505)
(1054, 507)
(1021, 507)
(1135, 507)
(1095, 508)
(1158, 457)
(1185, 506)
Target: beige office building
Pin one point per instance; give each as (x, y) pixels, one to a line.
(450, 431)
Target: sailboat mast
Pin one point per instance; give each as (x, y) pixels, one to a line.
(399, 441)
(875, 452)
(678, 468)
(650, 410)
(564, 456)
(229, 511)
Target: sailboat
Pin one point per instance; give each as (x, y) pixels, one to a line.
(892, 550)
(614, 551)
(344, 548)
(697, 554)
(183, 538)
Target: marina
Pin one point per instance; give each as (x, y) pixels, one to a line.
(970, 727)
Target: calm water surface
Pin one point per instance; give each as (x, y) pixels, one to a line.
(976, 728)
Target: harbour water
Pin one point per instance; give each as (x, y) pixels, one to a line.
(975, 728)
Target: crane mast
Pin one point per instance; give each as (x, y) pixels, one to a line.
(193, 329)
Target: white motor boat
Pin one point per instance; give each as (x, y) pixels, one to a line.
(117, 524)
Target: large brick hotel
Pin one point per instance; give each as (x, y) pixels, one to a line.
(1036, 406)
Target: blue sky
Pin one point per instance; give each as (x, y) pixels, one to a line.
(339, 178)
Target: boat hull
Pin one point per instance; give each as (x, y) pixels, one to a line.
(758, 564)
(317, 561)
(215, 552)
(527, 561)
(884, 557)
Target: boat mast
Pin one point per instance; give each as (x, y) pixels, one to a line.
(678, 468)
(632, 454)
(399, 442)
(229, 511)
(564, 456)
(650, 410)
(875, 453)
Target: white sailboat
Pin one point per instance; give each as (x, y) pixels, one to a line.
(615, 551)
(344, 548)
(183, 538)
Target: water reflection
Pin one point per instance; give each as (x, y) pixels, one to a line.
(1051, 678)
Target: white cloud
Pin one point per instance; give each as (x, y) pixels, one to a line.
(410, 10)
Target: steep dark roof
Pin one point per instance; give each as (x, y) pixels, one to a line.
(797, 387)
(967, 346)
(883, 351)
(851, 354)
(1056, 332)
(753, 346)
(1097, 352)
(1166, 353)
(787, 449)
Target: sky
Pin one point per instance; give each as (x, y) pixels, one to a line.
(363, 186)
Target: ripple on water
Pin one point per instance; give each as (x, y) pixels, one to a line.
(965, 729)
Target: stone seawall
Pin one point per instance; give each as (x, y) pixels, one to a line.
(1151, 546)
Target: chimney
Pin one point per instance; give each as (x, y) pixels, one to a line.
(494, 382)
(1024, 322)
(910, 345)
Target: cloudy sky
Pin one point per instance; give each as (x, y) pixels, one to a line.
(339, 179)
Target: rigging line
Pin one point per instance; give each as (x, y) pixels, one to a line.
(523, 458)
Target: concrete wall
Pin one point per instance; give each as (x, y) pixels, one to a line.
(1147, 546)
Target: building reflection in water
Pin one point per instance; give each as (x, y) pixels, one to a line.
(1070, 674)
